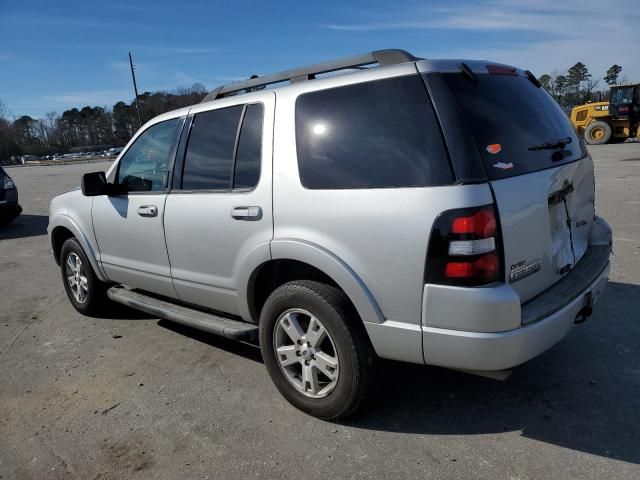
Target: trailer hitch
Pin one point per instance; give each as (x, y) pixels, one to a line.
(586, 310)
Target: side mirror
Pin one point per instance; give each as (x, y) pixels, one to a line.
(94, 184)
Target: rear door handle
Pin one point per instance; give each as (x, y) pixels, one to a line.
(148, 211)
(246, 213)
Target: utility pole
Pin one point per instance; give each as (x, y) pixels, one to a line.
(135, 89)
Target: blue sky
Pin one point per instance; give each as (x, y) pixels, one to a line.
(56, 55)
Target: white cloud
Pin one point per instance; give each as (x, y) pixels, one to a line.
(96, 97)
(559, 33)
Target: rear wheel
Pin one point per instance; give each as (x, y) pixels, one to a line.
(597, 133)
(85, 291)
(315, 349)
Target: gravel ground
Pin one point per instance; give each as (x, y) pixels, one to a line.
(133, 397)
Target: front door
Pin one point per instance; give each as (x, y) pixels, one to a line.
(220, 213)
(129, 226)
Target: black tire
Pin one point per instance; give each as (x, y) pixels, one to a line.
(352, 347)
(96, 292)
(7, 218)
(597, 133)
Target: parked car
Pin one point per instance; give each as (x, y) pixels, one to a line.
(435, 212)
(9, 206)
(115, 151)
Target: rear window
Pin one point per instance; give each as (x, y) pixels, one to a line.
(209, 158)
(518, 127)
(248, 156)
(370, 135)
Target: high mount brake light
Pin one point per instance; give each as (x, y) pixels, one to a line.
(465, 248)
(502, 70)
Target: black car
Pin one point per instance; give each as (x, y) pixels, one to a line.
(9, 207)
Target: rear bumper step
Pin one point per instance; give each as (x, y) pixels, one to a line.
(226, 327)
(590, 266)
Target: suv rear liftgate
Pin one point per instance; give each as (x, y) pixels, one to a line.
(541, 175)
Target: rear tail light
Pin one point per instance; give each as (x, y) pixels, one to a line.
(7, 183)
(465, 248)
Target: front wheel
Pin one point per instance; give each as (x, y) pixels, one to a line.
(315, 349)
(597, 133)
(85, 291)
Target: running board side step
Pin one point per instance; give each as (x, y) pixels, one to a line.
(226, 327)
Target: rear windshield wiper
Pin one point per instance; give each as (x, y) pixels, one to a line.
(552, 145)
(468, 73)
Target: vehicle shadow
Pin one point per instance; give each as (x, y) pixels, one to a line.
(25, 226)
(117, 311)
(583, 394)
(246, 350)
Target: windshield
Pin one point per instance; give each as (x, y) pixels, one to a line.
(518, 127)
(621, 95)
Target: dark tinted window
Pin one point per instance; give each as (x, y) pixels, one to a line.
(145, 165)
(375, 134)
(248, 157)
(621, 95)
(209, 158)
(509, 117)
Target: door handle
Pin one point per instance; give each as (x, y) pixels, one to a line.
(247, 213)
(148, 211)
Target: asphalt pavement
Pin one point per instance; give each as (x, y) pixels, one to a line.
(129, 396)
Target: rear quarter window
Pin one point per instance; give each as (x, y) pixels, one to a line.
(377, 134)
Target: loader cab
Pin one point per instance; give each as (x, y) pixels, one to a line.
(624, 101)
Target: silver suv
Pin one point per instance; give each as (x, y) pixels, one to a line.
(436, 212)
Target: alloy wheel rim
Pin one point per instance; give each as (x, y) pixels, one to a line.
(306, 353)
(76, 278)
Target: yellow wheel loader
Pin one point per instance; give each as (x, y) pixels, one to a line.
(615, 120)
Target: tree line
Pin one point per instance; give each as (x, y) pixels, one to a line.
(98, 126)
(87, 127)
(576, 86)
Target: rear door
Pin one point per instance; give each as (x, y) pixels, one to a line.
(541, 175)
(219, 213)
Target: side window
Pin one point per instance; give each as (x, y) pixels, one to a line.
(145, 165)
(249, 154)
(376, 134)
(209, 158)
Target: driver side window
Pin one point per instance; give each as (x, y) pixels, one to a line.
(145, 166)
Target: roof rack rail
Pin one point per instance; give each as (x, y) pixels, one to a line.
(381, 57)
